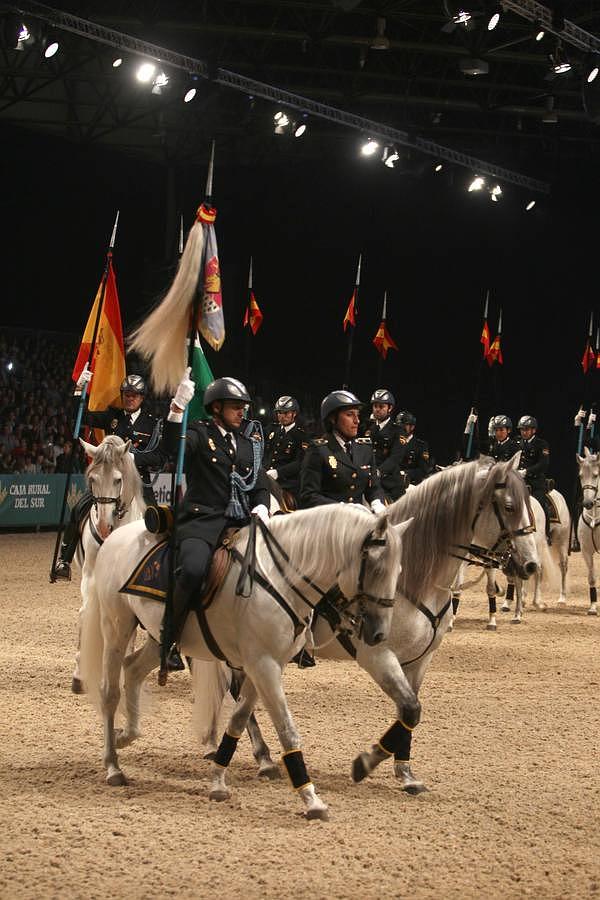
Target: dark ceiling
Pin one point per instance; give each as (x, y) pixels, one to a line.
(322, 49)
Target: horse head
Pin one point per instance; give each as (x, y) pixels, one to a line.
(371, 579)
(589, 475)
(504, 523)
(109, 478)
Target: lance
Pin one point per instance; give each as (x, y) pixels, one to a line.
(83, 399)
(380, 361)
(496, 372)
(591, 424)
(179, 255)
(472, 418)
(346, 384)
(248, 337)
(167, 632)
(580, 433)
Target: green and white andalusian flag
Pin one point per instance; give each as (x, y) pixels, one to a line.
(202, 377)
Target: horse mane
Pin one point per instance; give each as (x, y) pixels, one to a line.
(107, 454)
(443, 508)
(321, 538)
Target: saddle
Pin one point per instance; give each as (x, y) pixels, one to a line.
(554, 517)
(150, 578)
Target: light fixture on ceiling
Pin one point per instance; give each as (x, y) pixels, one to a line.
(549, 117)
(380, 41)
(25, 37)
(145, 72)
(496, 193)
(160, 82)
(530, 206)
(494, 16)
(117, 62)
(51, 45)
(299, 129)
(391, 157)
(477, 184)
(471, 66)
(560, 64)
(189, 95)
(438, 168)
(369, 147)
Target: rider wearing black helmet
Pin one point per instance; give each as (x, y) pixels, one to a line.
(414, 461)
(503, 445)
(225, 481)
(340, 467)
(535, 459)
(384, 435)
(285, 447)
(131, 423)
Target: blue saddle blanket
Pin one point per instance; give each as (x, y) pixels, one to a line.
(150, 578)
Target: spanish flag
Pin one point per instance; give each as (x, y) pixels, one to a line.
(495, 353)
(108, 359)
(350, 317)
(253, 316)
(588, 359)
(485, 339)
(383, 340)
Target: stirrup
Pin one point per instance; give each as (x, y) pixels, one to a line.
(61, 570)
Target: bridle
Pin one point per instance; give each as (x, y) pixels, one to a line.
(120, 507)
(500, 553)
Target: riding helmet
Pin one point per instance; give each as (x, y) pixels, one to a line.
(382, 395)
(133, 384)
(337, 400)
(287, 404)
(527, 422)
(501, 421)
(406, 418)
(225, 389)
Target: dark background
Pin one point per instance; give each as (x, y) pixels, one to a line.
(434, 247)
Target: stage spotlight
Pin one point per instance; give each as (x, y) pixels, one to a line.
(494, 18)
(189, 95)
(530, 205)
(439, 167)
(51, 48)
(160, 82)
(496, 193)
(369, 147)
(281, 119)
(540, 34)
(560, 64)
(300, 129)
(145, 72)
(391, 159)
(24, 38)
(477, 184)
(117, 62)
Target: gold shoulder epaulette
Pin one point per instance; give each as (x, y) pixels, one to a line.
(318, 442)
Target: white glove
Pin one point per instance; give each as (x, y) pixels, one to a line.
(522, 472)
(272, 473)
(377, 506)
(591, 419)
(471, 420)
(84, 378)
(580, 417)
(262, 512)
(185, 390)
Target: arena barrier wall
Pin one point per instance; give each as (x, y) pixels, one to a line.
(29, 500)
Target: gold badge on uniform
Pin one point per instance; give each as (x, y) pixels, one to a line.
(425, 454)
(333, 462)
(271, 436)
(212, 444)
(114, 423)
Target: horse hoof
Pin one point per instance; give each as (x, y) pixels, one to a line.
(271, 773)
(515, 621)
(592, 612)
(322, 814)
(77, 686)
(210, 755)
(560, 602)
(413, 789)
(491, 627)
(219, 794)
(117, 779)
(505, 608)
(359, 768)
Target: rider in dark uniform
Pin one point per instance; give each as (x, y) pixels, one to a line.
(131, 423)
(341, 467)
(285, 447)
(503, 445)
(535, 459)
(384, 436)
(414, 460)
(225, 482)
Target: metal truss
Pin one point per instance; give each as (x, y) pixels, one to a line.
(192, 66)
(570, 34)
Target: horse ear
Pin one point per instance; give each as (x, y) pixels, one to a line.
(89, 448)
(515, 461)
(402, 526)
(381, 525)
(580, 459)
(586, 452)
(125, 448)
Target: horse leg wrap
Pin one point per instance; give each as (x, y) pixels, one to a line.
(397, 740)
(492, 605)
(455, 602)
(226, 749)
(593, 595)
(296, 769)
(510, 592)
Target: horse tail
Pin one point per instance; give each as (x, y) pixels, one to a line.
(210, 683)
(91, 645)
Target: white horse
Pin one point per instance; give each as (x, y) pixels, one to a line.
(260, 632)
(116, 488)
(481, 499)
(589, 520)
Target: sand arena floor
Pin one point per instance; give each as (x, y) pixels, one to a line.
(508, 746)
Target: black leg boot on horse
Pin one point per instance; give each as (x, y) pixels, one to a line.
(71, 535)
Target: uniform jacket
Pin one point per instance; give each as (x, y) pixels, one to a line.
(388, 456)
(414, 458)
(208, 465)
(504, 451)
(284, 452)
(535, 459)
(329, 475)
(115, 421)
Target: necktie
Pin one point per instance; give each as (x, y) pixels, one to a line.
(348, 446)
(229, 439)
(129, 420)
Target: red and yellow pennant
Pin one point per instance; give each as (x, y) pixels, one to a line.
(588, 360)
(383, 340)
(485, 339)
(253, 317)
(350, 317)
(495, 352)
(108, 359)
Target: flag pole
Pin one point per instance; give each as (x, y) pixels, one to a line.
(585, 392)
(248, 338)
(346, 384)
(496, 373)
(592, 415)
(82, 400)
(167, 628)
(380, 361)
(179, 255)
(574, 545)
